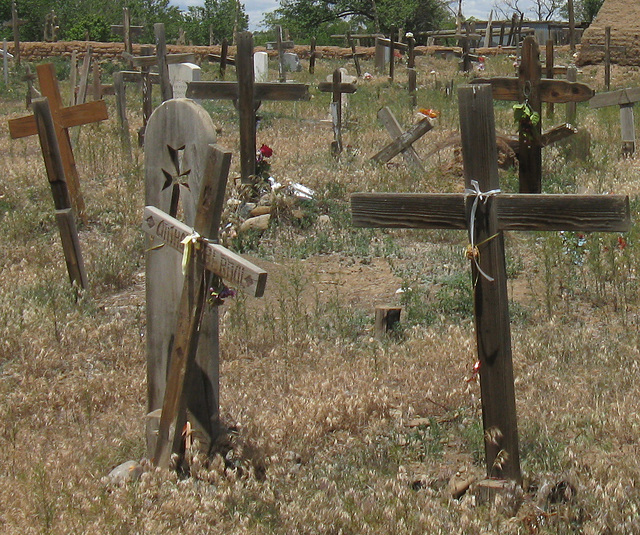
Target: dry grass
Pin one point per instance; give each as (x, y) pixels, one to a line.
(320, 410)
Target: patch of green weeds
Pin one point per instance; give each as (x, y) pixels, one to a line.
(539, 450)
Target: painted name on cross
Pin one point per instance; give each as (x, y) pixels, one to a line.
(217, 258)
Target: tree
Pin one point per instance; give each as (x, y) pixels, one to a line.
(222, 16)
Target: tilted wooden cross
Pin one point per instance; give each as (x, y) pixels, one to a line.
(486, 213)
(402, 141)
(223, 58)
(62, 202)
(185, 172)
(337, 87)
(248, 95)
(625, 98)
(15, 24)
(63, 118)
(532, 88)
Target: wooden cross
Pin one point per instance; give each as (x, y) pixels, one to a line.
(126, 30)
(32, 92)
(63, 118)
(15, 23)
(531, 87)
(55, 172)
(181, 160)
(337, 87)
(402, 141)
(625, 98)
(223, 58)
(486, 213)
(281, 45)
(248, 95)
(392, 45)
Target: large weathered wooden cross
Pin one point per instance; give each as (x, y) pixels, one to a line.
(486, 213)
(402, 141)
(625, 98)
(532, 88)
(248, 95)
(15, 24)
(63, 118)
(185, 173)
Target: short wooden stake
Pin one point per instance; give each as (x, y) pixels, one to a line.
(386, 319)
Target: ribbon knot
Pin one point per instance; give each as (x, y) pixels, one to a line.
(472, 250)
(191, 243)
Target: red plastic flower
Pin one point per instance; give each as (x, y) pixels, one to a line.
(266, 151)
(622, 243)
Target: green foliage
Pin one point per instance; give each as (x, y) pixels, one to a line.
(222, 16)
(93, 27)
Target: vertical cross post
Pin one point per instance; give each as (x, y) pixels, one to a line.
(161, 52)
(246, 105)
(607, 57)
(15, 24)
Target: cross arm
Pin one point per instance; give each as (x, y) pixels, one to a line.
(327, 87)
(217, 259)
(65, 117)
(403, 141)
(262, 91)
(556, 91)
(149, 61)
(612, 98)
(583, 213)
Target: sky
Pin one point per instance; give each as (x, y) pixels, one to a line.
(256, 9)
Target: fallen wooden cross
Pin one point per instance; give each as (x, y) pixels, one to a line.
(625, 99)
(64, 212)
(402, 141)
(530, 88)
(486, 213)
(248, 95)
(184, 168)
(63, 119)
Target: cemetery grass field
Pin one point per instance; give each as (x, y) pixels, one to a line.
(332, 431)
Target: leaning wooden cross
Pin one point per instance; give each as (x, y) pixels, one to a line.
(531, 88)
(185, 172)
(486, 213)
(337, 88)
(63, 118)
(248, 95)
(127, 31)
(62, 202)
(402, 141)
(625, 98)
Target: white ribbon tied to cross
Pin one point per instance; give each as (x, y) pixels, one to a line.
(189, 242)
(480, 196)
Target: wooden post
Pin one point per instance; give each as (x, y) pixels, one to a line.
(572, 76)
(392, 59)
(549, 73)
(487, 33)
(282, 77)
(607, 57)
(224, 51)
(32, 92)
(5, 62)
(385, 320)
(352, 45)
(161, 52)
(246, 106)
(625, 98)
(486, 213)
(55, 172)
(63, 118)
(572, 26)
(402, 141)
(380, 52)
(312, 56)
(81, 96)
(121, 108)
(73, 75)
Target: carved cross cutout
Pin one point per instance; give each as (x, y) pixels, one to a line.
(176, 177)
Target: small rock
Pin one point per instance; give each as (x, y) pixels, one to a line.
(125, 473)
(260, 222)
(246, 209)
(260, 210)
(324, 220)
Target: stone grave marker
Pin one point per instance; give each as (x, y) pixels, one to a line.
(261, 67)
(180, 75)
(291, 62)
(485, 213)
(63, 118)
(185, 176)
